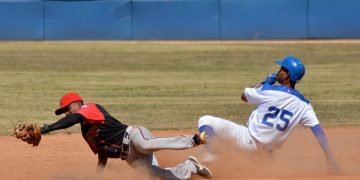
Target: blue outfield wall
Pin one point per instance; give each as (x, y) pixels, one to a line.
(334, 19)
(88, 20)
(21, 19)
(175, 19)
(178, 19)
(263, 19)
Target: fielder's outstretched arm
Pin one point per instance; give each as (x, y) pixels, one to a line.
(63, 123)
(322, 139)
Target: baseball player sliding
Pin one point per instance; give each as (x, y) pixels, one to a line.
(279, 108)
(109, 138)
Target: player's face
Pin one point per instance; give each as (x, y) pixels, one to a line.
(283, 76)
(72, 108)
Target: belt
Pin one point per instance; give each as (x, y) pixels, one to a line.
(125, 144)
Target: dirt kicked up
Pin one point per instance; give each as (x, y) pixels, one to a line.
(66, 156)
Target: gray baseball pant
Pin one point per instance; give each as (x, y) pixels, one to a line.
(142, 148)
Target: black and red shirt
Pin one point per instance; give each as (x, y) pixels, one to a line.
(97, 126)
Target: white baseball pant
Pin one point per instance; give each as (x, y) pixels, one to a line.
(228, 130)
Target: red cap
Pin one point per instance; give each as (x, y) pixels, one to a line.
(66, 100)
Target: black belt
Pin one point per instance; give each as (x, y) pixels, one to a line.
(125, 144)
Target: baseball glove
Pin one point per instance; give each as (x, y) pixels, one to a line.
(29, 133)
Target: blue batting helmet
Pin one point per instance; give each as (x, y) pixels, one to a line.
(295, 67)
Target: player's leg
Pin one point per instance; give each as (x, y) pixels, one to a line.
(149, 163)
(227, 130)
(143, 145)
(143, 141)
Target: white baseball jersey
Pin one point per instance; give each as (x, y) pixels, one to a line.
(279, 109)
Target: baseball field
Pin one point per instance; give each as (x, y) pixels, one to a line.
(167, 87)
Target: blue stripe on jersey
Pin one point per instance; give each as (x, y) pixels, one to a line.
(285, 89)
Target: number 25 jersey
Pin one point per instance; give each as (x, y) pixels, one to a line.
(278, 110)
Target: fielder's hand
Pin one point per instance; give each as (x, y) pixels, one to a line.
(29, 133)
(201, 138)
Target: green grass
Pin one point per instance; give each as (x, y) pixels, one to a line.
(169, 85)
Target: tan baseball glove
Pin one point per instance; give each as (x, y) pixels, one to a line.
(29, 133)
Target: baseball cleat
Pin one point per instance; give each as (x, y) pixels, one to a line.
(201, 169)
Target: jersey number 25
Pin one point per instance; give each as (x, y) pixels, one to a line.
(273, 114)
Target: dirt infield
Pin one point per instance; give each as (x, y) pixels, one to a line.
(66, 156)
